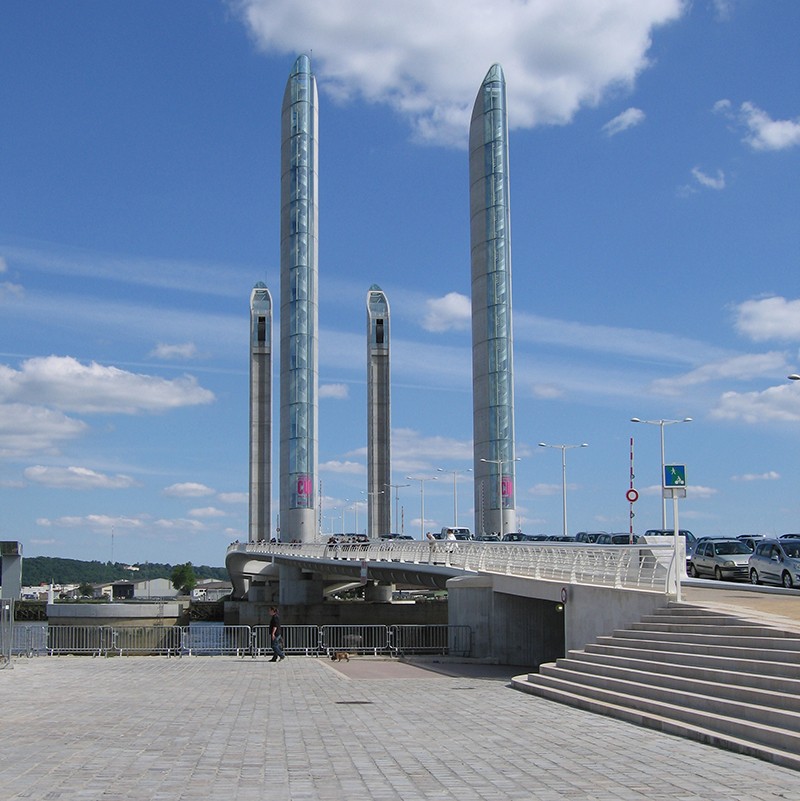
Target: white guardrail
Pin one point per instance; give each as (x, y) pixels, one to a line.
(648, 566)
(41, 639)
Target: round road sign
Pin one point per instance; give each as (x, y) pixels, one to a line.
(632, 495)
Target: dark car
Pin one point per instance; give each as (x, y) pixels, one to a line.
(560, 538)
(616, 539)
(518, 536)
(588, 536)
(751, 540)
(720, 558)
(776, 562)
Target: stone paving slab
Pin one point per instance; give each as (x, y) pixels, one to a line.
(159, 729)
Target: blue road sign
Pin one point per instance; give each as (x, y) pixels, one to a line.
(675, 475)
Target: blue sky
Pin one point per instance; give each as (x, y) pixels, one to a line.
(655, 201)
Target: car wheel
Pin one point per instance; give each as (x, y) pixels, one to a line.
(717, 574)
(786, 580)
(754, 577)
(691, 570)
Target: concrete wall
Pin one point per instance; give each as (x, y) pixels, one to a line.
(520, 621)
(339, 613)
(127, 614)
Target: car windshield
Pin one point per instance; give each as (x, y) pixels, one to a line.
(792, 550)
(725, 548)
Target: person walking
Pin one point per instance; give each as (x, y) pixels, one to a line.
(275, 635)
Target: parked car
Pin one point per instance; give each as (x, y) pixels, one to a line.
(588, 536)
(691, 539)
(560, 538)
(776, 562)
(720, 558)
(751, 540)
(518, 536)
(789, 537)
(616, 539)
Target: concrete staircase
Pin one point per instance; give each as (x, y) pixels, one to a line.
(693, 672)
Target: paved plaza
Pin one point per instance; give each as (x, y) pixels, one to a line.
(159, 729)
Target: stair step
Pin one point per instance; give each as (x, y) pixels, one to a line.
(747, 660)
(788, 643)
(731, 628)
(702, 646)
(756, 732)
(778, 756)
(720, 671)
(766, 705)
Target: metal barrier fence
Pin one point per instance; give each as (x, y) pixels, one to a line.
(209, 640)
(94, 640)
(355, 639)
(432, 639)
(29, 639)
(303, 640)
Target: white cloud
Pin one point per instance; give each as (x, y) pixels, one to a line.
(709, 181)
(188, 490)
(179, 524)
(64, 383)
(742, 367)
(336, 391)
(628, 119)
(103, 523)
(76, 478)
(769, 318)
(349, 468)
(233, 497)
(766, 133)
(453, 312)
(544, 490)
(412, 452)
(426, 60)
(3, 265)
(770, 475)
(187, 350)
(780, 403)
(26, 430)
(206, 511)
(9, 290)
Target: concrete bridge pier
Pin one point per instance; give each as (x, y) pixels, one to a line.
(378, 592)
(299, 587)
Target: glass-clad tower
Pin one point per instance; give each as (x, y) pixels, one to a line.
(379, 478)
(492, 341)
(299, 307)
(260, 412)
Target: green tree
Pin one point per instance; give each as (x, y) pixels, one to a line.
(183, 578)
(86, 589)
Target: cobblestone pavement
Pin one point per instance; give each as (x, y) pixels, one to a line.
(158, 729)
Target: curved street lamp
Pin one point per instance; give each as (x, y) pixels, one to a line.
(455, 491)
(422, 481)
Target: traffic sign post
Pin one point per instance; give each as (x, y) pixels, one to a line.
(675, 487)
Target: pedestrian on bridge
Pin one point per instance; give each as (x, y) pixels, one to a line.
(275, 635)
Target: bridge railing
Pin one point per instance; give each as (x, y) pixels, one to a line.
(650, 566)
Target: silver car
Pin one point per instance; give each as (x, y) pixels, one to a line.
(776, 562)
(721, 559)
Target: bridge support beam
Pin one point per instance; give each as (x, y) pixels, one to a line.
(299, 586)
(378, 592)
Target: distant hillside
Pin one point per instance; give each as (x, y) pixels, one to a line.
(44, 569)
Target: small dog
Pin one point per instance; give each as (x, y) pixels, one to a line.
(340, 656)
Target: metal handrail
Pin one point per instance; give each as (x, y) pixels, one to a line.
(644, 566)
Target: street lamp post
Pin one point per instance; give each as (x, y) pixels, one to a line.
(396, 488)
(564, 478)
(455, 492)
(422, 481)
(661, 424)
(500, 463)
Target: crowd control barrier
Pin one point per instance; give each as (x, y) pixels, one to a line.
(240, 641)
